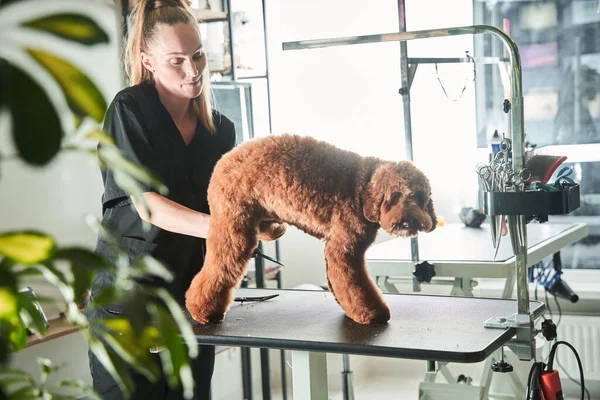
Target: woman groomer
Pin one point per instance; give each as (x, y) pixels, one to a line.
(165, 123)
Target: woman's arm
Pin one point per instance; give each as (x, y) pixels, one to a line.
(173, 217)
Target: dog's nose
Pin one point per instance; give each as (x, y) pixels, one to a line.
(411, 224)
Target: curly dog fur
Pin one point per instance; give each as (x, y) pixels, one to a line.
(332, 194)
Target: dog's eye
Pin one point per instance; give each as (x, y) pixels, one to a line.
(395, 198)
(419, 199)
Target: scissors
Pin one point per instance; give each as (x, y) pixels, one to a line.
(257, 298)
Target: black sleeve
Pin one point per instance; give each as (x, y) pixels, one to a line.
(226, 131)
(124, 122)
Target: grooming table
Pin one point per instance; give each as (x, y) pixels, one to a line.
(311, 324)
(464, 253)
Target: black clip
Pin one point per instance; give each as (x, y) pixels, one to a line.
(506, 106)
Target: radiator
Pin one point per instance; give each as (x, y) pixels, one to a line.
(583, 332)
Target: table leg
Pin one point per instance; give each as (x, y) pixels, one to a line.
(309, 375)
(347, 385)
(247, 373)
(509, 287)
(462, 287)
(385, 285)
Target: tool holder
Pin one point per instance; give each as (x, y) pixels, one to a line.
(519, 203)
(532, 203)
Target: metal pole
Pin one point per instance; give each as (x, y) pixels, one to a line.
(231, 45)
(577, 88)
(405, 92)
(347, 385)
(517, 119)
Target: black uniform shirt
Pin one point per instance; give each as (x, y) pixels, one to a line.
(145, 132)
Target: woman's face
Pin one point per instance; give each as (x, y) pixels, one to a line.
(176, 59)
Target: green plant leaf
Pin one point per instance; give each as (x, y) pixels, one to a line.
(25, 272)
(7, 2)
(101, 137)
(6, 381)
(17, 372)
(6, 264)
(115, 366)
(37, 131)
(5, 346)
(111, 158)
(32, 316)
(83, 97)
(18, 334)
(84, 264)
(150, 266)
(174, 360)
(76, 27)
(59, 396)
(82, 387)
(133, 188)
(25, 393)
(26, 247)
(132, 348)
(105, 231)
(9, 303)
(180, 319)
(46, 368)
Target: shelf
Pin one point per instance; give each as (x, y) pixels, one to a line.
(58, 327)
(203, 15)
(457, 60)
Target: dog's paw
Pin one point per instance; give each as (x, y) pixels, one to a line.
(205, 305)
(204, 316)
(367, 316)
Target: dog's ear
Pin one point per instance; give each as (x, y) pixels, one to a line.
(431, 212)
(374, 195)
(372, 203)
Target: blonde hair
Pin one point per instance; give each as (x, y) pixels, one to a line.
(146, 15)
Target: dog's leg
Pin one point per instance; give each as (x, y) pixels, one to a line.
(328, 281)
(270, 230)
(348, 278)
(229, 247)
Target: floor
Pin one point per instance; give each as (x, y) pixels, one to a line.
(399, 380)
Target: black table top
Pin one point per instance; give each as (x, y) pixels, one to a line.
(456, 242)
(440, 328)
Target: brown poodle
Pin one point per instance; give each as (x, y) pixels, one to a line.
(329, 193)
